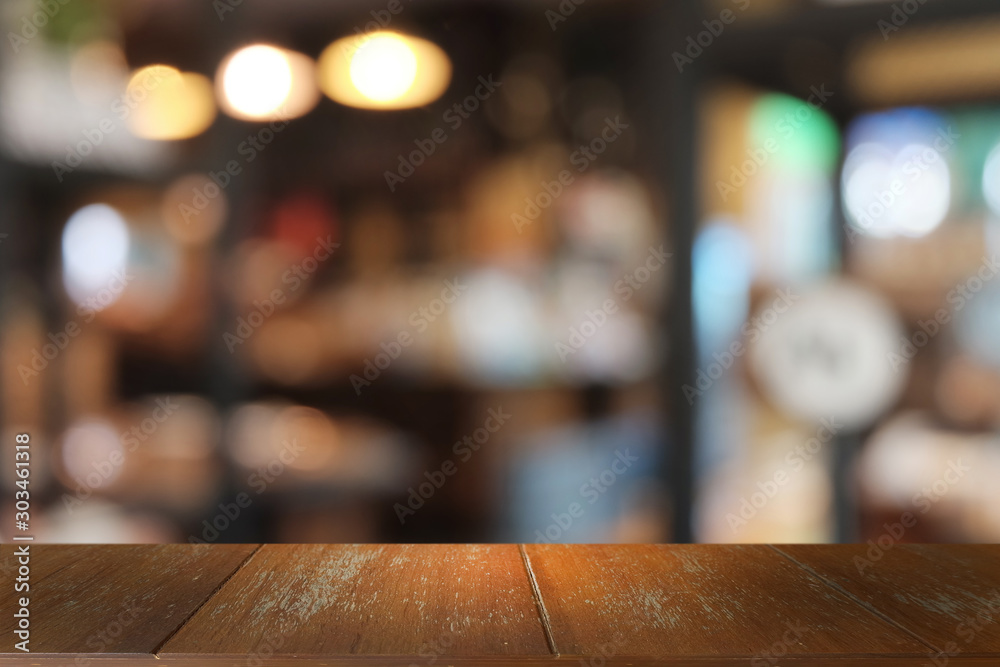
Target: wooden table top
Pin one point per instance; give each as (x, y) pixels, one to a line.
(437, 605)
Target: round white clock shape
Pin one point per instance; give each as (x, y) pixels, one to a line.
(836, 352)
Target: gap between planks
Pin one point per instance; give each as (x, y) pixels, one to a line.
(864, 605)
(536, 592)
(159, 647)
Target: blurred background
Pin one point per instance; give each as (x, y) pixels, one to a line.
(577, 271)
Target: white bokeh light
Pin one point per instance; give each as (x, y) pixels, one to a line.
(497, 327)
(902, 193)
(927, 198)
(866, 172)
(95, 247)
(991, 180)
(257, 80)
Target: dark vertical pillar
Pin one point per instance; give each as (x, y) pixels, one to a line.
(846, 445)
(226, 383)
(669, 94)
(7, 225)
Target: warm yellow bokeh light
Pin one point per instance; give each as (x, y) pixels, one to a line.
(384, 67)
(384, 70)
(255, 81)
(166, 104)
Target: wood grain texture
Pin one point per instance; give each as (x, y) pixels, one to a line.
(494, 606)
(120, 599)
(369, 600)
(710, 601)
(949, 596)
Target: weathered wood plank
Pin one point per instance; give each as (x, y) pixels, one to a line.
(947, 595)
(114, 599)
(475, 606)
(365, 600)
(718, 601)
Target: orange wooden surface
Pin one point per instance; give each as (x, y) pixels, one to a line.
(949, 597)
(530, 605)
(115, 599)
(371, 600)
(700, 601)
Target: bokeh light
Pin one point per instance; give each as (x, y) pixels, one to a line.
(807, 136)
(261, 82)
(189, 214)
(907, 193)
(288, 350)
(269, 434)
(311, 433)
(92, 455)
(256, 80)
(897, 180)
(95, 247)
(497, 327)
(991, 180)
(168, 104)
(723, 273)
(384, 70)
